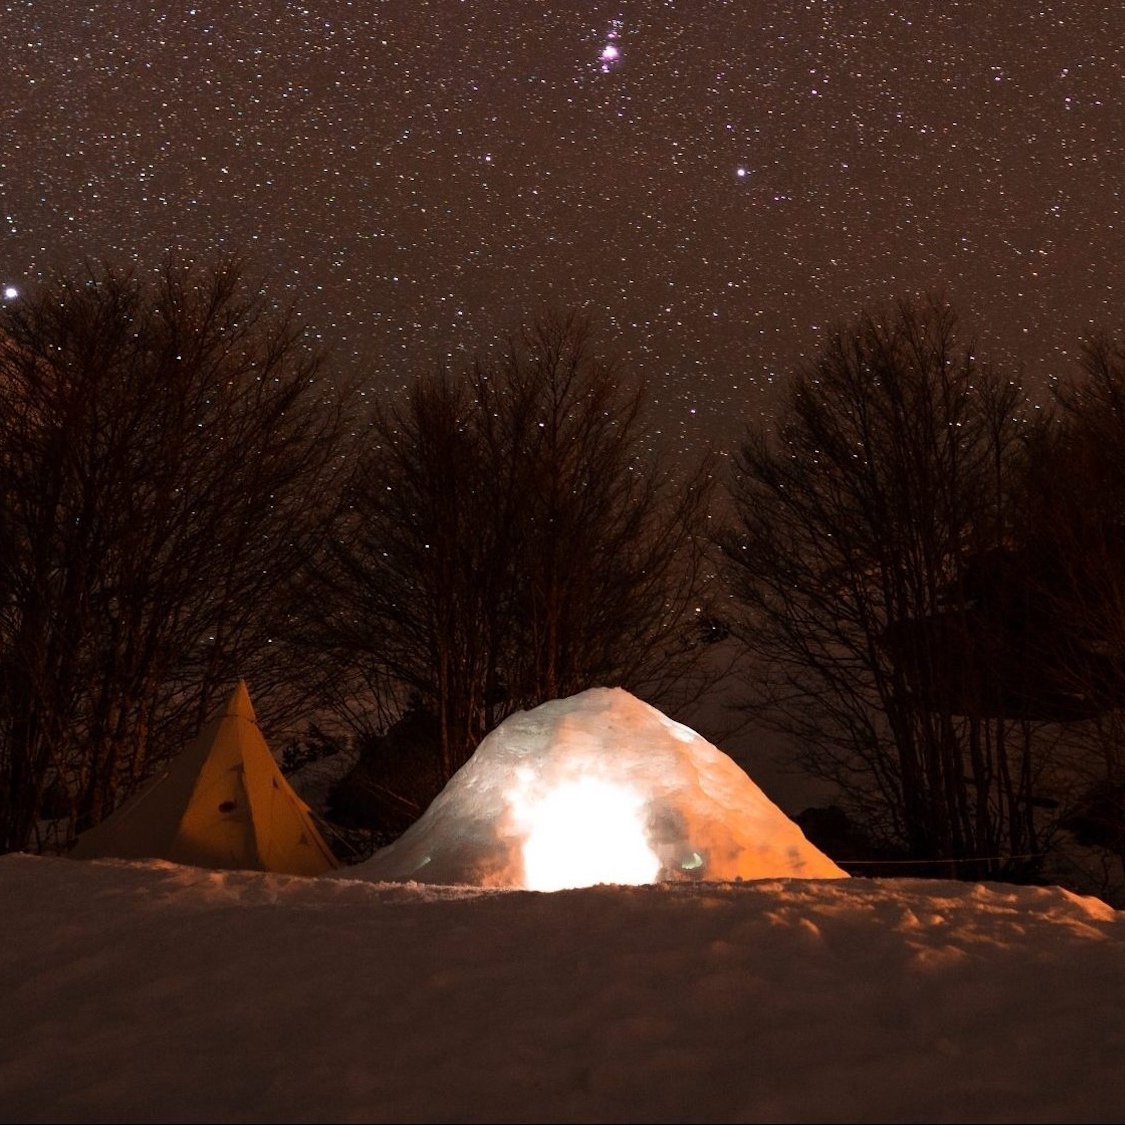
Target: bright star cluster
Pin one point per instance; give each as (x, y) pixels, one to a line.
(611, 52)
(714, 182)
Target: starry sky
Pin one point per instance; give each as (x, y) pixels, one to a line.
(714, 183)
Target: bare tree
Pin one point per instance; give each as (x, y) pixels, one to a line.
(169, 456)
(515, 538)
(860, 521)
(1075, 536)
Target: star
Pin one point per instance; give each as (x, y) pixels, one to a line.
(611, 53)
(418, 184)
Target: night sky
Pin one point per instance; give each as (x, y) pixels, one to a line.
(714, 183)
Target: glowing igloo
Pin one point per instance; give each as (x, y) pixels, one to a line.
(597, 788)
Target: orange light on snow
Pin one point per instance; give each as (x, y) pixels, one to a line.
(581, 831)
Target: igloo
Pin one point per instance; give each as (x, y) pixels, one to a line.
(597, 788)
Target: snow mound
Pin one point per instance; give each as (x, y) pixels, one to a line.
(597, 788)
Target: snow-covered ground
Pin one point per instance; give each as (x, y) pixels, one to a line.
(142, 991)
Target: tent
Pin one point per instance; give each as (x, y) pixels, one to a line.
(222, 803)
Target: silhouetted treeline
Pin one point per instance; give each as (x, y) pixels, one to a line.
(930, 570)
(169, 462)
(923, 569)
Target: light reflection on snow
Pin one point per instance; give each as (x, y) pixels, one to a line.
(678, 730)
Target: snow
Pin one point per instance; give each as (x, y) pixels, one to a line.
(143, 991)
(600, 787)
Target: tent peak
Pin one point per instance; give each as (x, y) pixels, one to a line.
(238, 703)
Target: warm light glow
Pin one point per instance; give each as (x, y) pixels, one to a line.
(580, 832)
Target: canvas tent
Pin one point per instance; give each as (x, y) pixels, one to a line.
(222, 803)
